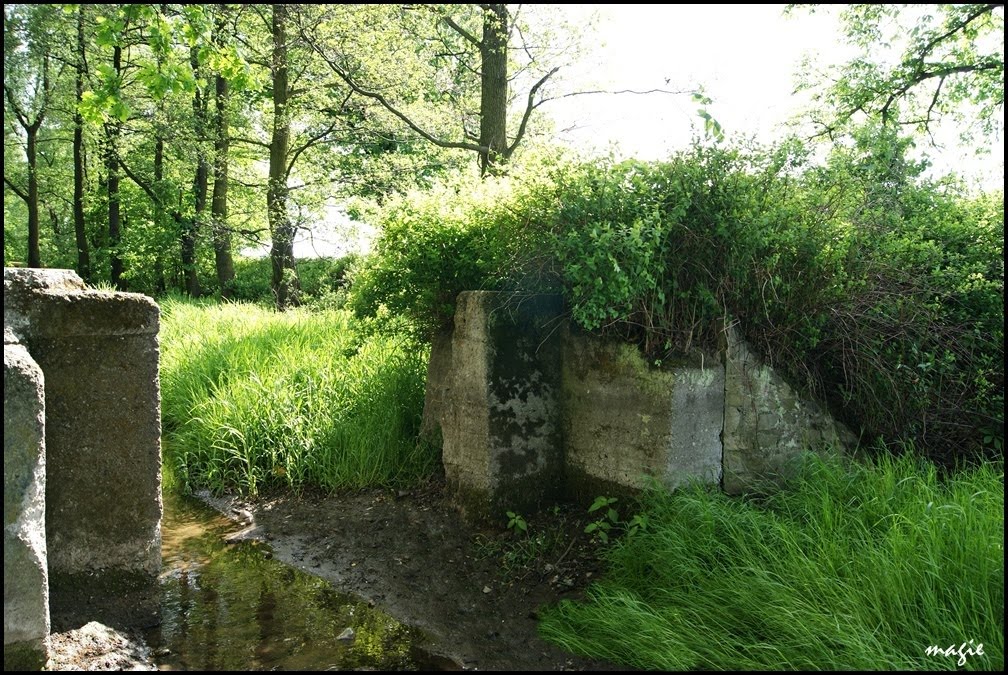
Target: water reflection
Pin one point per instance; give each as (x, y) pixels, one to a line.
(231, 607)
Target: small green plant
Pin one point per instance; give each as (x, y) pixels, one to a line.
(600, 528)
(638, 522)
(516, 523)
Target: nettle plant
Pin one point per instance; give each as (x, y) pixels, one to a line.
(608, 519)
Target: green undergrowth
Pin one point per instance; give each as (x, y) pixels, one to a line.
(848, 568)
(863, 282)
(253, 399)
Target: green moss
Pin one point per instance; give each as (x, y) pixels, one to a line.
(24, 656)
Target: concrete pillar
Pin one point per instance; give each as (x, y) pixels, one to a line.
(26, 579)
(500, 420)
(99, 354)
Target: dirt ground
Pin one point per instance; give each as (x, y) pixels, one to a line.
(475, 591)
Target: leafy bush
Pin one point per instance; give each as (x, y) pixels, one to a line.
(460, 236)
(869, 286)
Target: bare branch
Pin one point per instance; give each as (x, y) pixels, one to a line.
(529, 107)
(18, 191)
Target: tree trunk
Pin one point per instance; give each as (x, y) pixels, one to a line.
(159, 212)
(218, 205)
(112, 167)
(34, 255)
(493, 85)
(83, 254)
(284, 280)
(189, 228)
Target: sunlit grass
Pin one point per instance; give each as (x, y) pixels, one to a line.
(252, 398)
(851, 568)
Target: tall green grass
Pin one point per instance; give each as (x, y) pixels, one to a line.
(860, 567)
(253, 399)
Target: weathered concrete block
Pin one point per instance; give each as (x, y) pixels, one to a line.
(625, 421)
(768, 425)
(99, 352)
(26, 578)
(500, 421)
(437, 388)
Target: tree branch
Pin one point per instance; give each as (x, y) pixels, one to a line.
(142, 185)
(388, 105)
(462, 31)
(676, 92)
(307, 144)
(23, 195)
(21, 116)
(923, 76)
(529, 107)
(983, 9)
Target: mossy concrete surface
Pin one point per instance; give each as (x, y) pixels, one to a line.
(500, 418)
(26, 578)
(99, 355)
(768, 424)
(626, 421)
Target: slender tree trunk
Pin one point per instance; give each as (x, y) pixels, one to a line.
(284, 280)
(83, 254)
(218, 205)
(493, 85)
(159, 212)
(34, 255)
(112, 168)
(189, 228)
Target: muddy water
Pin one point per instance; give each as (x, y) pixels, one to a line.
(232, 607)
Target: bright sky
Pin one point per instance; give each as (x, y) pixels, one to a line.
(744, 56)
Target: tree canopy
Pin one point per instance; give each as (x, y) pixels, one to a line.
(169, 134)
(916, 65)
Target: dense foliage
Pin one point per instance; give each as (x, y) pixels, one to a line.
(867, 284)
(146, 144)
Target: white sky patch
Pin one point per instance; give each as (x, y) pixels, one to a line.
(746, 58)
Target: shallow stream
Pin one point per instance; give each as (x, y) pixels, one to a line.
(233, 607)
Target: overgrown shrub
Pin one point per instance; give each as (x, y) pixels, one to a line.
(460, 236)
(869, 286)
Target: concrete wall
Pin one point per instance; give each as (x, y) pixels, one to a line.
(530, 409)
(26, 578)
(767, 424)
(99, 355)
(625, 421)
(500, 417)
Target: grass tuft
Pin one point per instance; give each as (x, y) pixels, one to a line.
(856, 567)
(253, 399)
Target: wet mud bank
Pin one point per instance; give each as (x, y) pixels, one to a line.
(472, 594)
